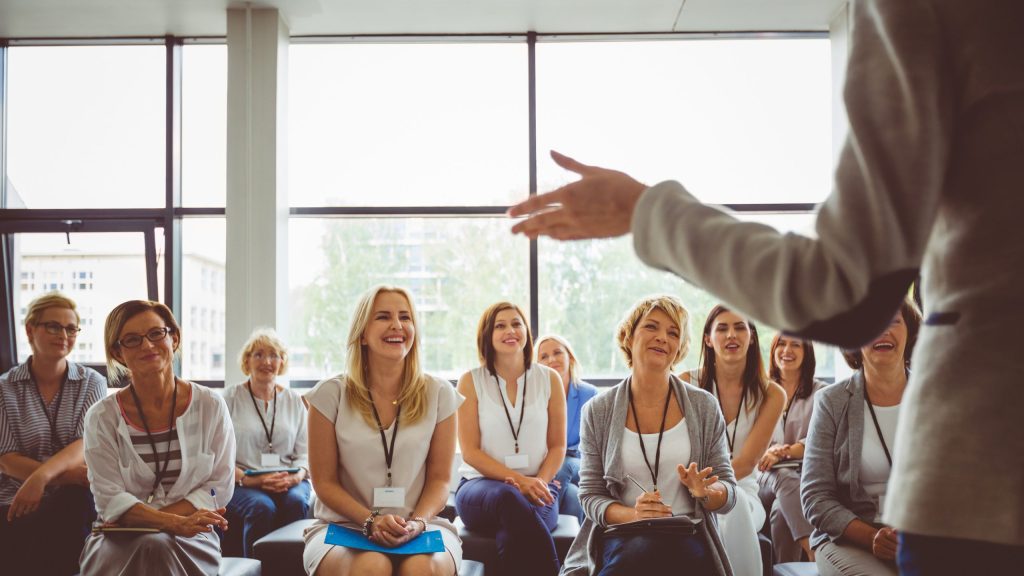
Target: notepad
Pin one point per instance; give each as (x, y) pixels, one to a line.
(259, 471)
(123, 530)
(787, 464)
(682, 525)
(426, 543)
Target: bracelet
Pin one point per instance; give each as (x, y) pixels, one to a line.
(368, 523)
(421, 520)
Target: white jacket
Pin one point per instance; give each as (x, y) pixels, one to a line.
(120, 479)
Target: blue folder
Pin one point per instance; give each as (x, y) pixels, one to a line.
(426, 543)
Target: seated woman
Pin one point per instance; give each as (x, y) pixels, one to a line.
(161, 455)
(556, 353)
(512, 434)
(732, 370)
(850, 451)
(792, 366)
(652, 430)
(270, 431)
(383, 424)
(44, 491)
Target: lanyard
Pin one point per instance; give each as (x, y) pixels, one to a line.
(736, 422)
(661, 433)
(273, 420)
(56, 444)
(389, 453)
(158, 471)
(522, 409)
(785, 413)
(878, 428)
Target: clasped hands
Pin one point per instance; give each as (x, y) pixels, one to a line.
(534, 489)
(392, 530)
(649, 504)
(276, 482)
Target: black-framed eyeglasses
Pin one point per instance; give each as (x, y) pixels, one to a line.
(55, 328)
(154, 335)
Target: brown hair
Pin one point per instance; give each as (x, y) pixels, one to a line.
(911, 317)
(485, 330)
(671, 306)
(120, 316)
(754, 379)
(807, 367)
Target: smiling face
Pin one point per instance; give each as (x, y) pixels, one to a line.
(729, 336)
(265, 364)
(552, 354)
(888, 349)
(52, 347)
(149, 357)
(788, 354)
(390, 334)
(655, 342)
(509, 334)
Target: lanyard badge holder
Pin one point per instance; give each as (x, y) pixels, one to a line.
(387, 496)
(268, 459)
(515, 461)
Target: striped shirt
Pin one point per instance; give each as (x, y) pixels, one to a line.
(161, 435)
(25, 426)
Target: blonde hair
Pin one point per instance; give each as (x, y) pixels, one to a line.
(413, 394)
(574, 364)
(120, 316)
(671, 306)
(49, 300)
(263, 338)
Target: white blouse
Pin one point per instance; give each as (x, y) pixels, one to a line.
(675, 449)
(496, 438)
(874, 466)
(289, 428)
(120, 479)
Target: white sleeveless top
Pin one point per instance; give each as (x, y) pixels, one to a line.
(496, 438)
(675, 449)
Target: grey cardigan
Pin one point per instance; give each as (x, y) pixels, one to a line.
(830, 488)
(601, 476)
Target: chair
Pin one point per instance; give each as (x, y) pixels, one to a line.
(281, 550)
(483, 548)
(240, 567)
(796, 569)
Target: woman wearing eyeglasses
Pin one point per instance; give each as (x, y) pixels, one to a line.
(161, 455)
(270, 432)
(44, 490)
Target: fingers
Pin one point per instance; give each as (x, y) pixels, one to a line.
(542, 222)
(537, 203)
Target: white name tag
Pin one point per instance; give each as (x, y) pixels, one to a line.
(517, 461)
(388, 497)
(270, 460)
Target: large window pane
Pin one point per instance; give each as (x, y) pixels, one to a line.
(586, 289)
(86, 127)
(204, 96)
(97, 271)
(454, 268)
(407, 124)
(203, 299)
(737, 121)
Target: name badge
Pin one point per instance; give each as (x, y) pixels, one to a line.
(517, 461)
(388, 497)
(270, 460)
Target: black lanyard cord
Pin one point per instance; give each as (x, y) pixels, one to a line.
(878, 428)
(273, 419)
(56, 444)
(522, 409)
(736, 422)
(785, 413)
(661, 433)
(159, 471)
(389, 453)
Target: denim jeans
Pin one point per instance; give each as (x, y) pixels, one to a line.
(258, 513)
(522, 529)
(569, 477)
(655, 554)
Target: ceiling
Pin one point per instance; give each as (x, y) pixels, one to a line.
(111, 18)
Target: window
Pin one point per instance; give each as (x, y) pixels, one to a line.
(86, 126)
(203, 252)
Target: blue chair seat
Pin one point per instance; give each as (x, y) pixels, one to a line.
(240, 567)
(281, 550)
(483, 548)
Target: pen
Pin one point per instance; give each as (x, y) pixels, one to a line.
(638, 485)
